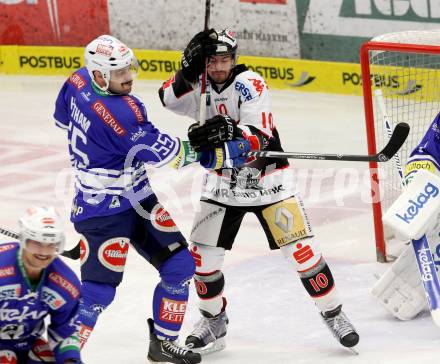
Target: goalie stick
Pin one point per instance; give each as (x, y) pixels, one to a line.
(73, 253)
(423, 254)
(397, 139)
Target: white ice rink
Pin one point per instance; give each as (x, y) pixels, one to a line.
(272, 320)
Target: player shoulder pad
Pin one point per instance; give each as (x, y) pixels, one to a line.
(7, 247)
(137, 108)
(250, 85)
(62, 278)
(79, 79)
(8, 260)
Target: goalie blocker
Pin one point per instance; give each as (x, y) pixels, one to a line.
(413, 213)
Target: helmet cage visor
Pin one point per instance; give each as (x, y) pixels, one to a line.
(37, 247)
(42, 225)
(125, 74)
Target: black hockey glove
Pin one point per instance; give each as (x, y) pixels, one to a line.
(200, 46)
(212, 134)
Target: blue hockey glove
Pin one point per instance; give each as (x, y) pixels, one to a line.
(228, 156)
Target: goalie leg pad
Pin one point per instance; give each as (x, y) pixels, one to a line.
(209, 279)
(400, 290)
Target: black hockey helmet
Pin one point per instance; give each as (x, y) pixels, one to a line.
(226, 43)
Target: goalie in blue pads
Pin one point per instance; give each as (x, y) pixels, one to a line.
(411, 284)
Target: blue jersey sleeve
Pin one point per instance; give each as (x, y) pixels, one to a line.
(63, 333)
(150, 146)
(63, 329)
(136, 137)
(427, 153)
(61, 113)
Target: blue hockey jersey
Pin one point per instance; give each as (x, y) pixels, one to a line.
(110, 139)
(23, 307)
(427, 153)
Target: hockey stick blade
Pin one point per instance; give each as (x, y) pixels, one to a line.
(397, 139)
(73, 253)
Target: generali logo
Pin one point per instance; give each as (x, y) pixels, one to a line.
(107, 117)
(368, 18)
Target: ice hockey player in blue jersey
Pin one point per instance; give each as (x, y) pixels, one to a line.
(35, 284)
(110, 139)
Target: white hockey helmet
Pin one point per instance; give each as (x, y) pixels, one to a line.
(226, 42)
(106, 54)
(42, 224)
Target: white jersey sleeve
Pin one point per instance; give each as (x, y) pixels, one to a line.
(180, 96)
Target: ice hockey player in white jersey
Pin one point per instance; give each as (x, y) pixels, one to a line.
(400, 288)
(238, 105)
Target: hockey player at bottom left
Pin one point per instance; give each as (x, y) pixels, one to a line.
(34, 284)
(110, 139)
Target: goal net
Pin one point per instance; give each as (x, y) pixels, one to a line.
(401, 74)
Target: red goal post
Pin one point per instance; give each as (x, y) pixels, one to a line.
(401, 71)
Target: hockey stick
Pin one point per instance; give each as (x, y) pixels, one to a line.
(73, 253)
(424, 258)
(387, 123)
(202, 114)
(397, 139)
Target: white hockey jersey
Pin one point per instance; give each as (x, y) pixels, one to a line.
(246, 99)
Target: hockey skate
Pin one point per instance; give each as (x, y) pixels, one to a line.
(165, 351)
(341, 327)
(209, 333)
